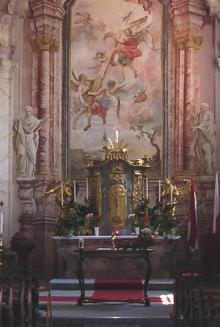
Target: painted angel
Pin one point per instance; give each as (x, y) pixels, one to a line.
(127, 44)
(94, 103)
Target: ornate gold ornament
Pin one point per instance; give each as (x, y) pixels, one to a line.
(117, 175)
(189, 41)
(61, 191)
(117, 201)
(116, 151)
(45, 42)
(137, 188)
(114, 184)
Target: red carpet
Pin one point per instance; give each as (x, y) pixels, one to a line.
(110, 290)
(118, 289)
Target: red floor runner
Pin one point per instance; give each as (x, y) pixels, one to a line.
(111, 290)
(118, 289)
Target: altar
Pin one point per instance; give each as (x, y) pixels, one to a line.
(164, 259)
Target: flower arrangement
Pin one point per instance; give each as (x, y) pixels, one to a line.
(160, 219)
(143, 241)
(73, 220)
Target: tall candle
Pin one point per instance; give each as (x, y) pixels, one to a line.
(1, 227)
(74, 191)
(61, 191)
(171, 195)
(87, 189)
(116, 136)
(159, 190)
(147, 190)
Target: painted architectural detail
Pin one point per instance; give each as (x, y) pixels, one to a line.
(204, 137)
(26, 141)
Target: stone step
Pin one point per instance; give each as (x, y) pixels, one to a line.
(73, 284)
(109, 315)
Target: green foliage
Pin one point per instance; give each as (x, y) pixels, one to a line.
(161, 220)
(73, 220)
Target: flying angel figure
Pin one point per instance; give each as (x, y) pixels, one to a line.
(127, 44)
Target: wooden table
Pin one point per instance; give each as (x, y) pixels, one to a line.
(112, 254)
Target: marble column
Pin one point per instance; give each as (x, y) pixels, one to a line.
(186, 23)
(186, 71)
(43, 111)
(46, 40)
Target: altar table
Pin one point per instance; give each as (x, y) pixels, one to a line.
(118, 256)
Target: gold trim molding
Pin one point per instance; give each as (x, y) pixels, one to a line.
(189, 41)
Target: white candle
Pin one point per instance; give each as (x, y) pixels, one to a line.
(147, 190)
(116, 136)
(1, 227)
(159, 190)
(74, 191)
(171, 195)
(61, 191)
(87, 189)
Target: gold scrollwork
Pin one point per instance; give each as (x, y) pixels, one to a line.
(137, 188)
(117, 175)
(45, 42)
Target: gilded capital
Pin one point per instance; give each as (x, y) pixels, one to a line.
(45, 43)
(189, 41)
(47, 23)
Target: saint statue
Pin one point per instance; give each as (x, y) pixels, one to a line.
(26, 140)
(203, 145)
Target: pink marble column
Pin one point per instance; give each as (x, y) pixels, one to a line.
(46, 40)
(187, 20)
(188, 107)
(43, 111)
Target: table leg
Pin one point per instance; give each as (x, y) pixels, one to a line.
(81, 279)
(147, 278)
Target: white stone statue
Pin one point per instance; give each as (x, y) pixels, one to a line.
(214, 8)
(26, 140)
(203, 144)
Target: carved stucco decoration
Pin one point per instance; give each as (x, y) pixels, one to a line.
(46, 24)
(5, 22)
(189, 41)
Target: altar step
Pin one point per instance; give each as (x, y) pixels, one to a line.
(109, 315)
(73, 284)
(65, 312)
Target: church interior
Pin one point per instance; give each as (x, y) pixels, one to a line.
(109, 159)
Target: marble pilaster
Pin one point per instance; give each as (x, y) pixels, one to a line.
(187, 20)
(46, 40)
(7, 76)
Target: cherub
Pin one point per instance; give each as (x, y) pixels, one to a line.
(83, 18)
(100, 58)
